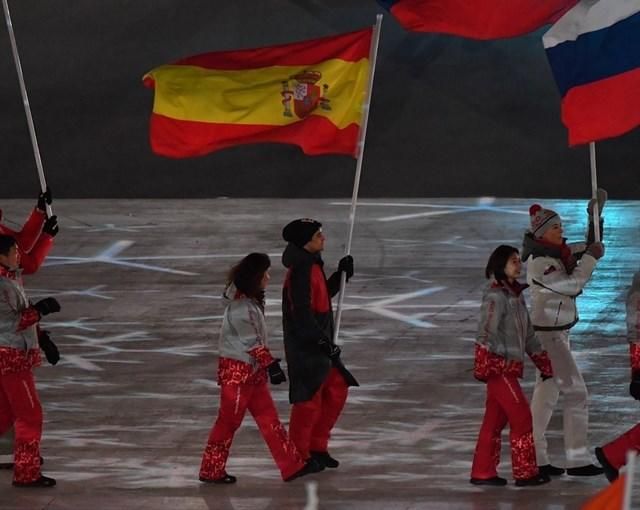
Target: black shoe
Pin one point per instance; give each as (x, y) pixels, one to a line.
(311, 466)
(534, 481)
(325, 459)
(226, 479)
(496, 481)
(549, 470)
(43, 481)
(588, 470)
(609, 471)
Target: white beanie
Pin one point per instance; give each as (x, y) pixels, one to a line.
(542, 220)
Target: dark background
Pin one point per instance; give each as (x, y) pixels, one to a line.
(450, 116)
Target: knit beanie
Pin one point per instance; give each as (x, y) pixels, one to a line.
(300, 232)
(542, 220)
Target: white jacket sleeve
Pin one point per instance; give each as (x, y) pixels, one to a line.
(550, 274)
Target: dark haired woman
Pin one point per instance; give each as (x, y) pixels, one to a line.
(243, 365)
(505, 333)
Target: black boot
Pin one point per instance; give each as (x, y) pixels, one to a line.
(588, 470)
(609, 471)
(311, 466)
(226, 479)
(550, 470)
(325, 459)
(534, 481)
(496, 481)
(43, 481)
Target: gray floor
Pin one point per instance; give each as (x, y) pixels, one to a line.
(129, 406)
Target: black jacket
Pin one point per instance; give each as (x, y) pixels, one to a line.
(307, 320)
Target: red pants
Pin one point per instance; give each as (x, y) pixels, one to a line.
(20, 407)
(311, 422)
(505, 403)
(235, 399)
(616, 450)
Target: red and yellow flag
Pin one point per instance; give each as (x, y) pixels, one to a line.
(309, 93)
(609, 498)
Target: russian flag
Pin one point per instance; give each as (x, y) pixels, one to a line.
(477, 19)
(594, 53)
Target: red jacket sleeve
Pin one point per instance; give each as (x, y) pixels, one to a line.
(30, 262)
(27, 237)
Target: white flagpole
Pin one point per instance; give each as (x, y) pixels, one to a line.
(594, 190)
(25, 101)
(628, 482)
(373, 55)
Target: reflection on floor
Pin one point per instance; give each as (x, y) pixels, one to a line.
(129, 406)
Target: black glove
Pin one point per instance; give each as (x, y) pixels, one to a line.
(44, 198)
(591, 236)
(346, 265)
(596, 250)
(51, 226)
(331, 350)
(634, 387)
(47, 305)
(601, 199)
(276, 375)
(49, 348)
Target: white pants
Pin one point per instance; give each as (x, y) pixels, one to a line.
(567, 380)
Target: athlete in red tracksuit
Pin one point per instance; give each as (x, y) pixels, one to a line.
(319, 381)
(505, 334)
(19, 354)
(613, 455)
(243, 365)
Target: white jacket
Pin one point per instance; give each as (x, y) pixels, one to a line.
(554, 291)
(243, 329)
(13, 304)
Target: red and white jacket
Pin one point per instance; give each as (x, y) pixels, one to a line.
(505, 334)
(19, 348)
(244, 354)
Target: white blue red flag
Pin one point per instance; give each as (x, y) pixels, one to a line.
(594, 53)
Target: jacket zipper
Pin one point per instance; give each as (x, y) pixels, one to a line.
(558, 312)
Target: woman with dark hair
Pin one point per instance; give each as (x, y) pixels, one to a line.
(243, 365)
(505, 333)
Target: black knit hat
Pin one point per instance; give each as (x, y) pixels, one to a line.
(6, 242)
(300, 232)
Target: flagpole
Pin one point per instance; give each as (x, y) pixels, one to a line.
(594, 191)
(628, 481)
(25, 101)
(373, 55)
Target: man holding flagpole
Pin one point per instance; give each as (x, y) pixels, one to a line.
(319, 381)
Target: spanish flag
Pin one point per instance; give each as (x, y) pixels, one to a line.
(310, 93)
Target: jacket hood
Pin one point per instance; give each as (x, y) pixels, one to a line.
(295, 256)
